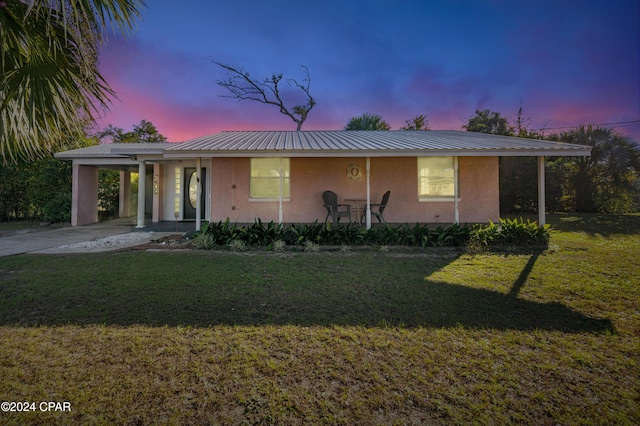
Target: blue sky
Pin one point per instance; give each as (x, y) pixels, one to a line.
(566, 62)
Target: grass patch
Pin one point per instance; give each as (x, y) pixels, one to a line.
(343, 337)
(10, 227)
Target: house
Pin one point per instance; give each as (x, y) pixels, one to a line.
(434, 176)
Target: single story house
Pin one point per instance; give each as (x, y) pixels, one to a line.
(434, 176)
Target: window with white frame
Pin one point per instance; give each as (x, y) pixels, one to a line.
(436, 178)
(268, 177)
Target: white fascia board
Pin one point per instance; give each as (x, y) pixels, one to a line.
(94, 161)
(64, 156)
(149, 157)
(130, 152)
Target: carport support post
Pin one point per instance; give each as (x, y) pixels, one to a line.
(541, 193)
(142, 171)
(84, 203)
(124, 196)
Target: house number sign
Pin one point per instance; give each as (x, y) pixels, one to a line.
(354, 172)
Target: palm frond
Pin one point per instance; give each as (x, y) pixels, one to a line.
(50, 84)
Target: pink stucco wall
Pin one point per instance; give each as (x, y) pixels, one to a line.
(310, 177)
(479, 189)
(84, 204)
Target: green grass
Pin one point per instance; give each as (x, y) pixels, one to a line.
(403, 336)
(9, 227)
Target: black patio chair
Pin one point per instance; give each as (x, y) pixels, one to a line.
(381, 207)
(335, 210)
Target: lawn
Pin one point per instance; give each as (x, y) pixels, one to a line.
(7, 228)
(404, 336)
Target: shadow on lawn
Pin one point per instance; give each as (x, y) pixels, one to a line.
(450, 305)
(596, 224)
(370, 302)
(435, 304)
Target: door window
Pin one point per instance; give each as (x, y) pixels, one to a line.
(193, 189)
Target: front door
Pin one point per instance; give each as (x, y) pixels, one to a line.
(190, 194)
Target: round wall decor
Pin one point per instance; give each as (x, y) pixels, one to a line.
(354, 171)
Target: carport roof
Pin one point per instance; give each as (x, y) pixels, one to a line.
(114, 150)
(339, 143)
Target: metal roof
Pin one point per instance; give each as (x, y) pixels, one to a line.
(369, 143)
(337, 144)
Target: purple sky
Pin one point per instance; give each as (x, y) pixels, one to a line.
(568, 62)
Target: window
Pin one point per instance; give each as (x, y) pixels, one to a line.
(436, 178)
(267, 175)
(177, 191)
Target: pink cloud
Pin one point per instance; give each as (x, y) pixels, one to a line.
(177, 92)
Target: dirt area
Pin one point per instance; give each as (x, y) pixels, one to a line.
(168, 242)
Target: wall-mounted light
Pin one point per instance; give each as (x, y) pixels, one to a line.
(156, 184)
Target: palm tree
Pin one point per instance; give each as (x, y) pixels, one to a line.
(419, 122)
(606, 181)
(367, 122)
(50, 85)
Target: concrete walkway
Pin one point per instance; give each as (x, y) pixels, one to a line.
(61, 240)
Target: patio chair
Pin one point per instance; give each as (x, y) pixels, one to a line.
(335, 210)
(381, 207)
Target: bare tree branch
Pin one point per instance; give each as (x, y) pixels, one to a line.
(242, 87)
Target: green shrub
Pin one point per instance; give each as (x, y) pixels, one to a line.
(222, 233)
(278, 246)
(109, 192)
(204, 241)
(237, 245)
(271, 235)
(58, 208)
(511, 232)
(310, 246)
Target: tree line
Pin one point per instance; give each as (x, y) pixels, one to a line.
(608, 181)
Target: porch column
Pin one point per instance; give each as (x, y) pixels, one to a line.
(456, 191)
(198, 193)
(142, 172)
(280, 213)
(124, 195)
(368, 205)
(84, 201)
(542, 220)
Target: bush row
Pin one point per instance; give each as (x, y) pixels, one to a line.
(505, 232)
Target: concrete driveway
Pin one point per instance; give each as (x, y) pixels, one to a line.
(70, 239)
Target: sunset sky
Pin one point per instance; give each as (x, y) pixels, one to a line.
(566, 62)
